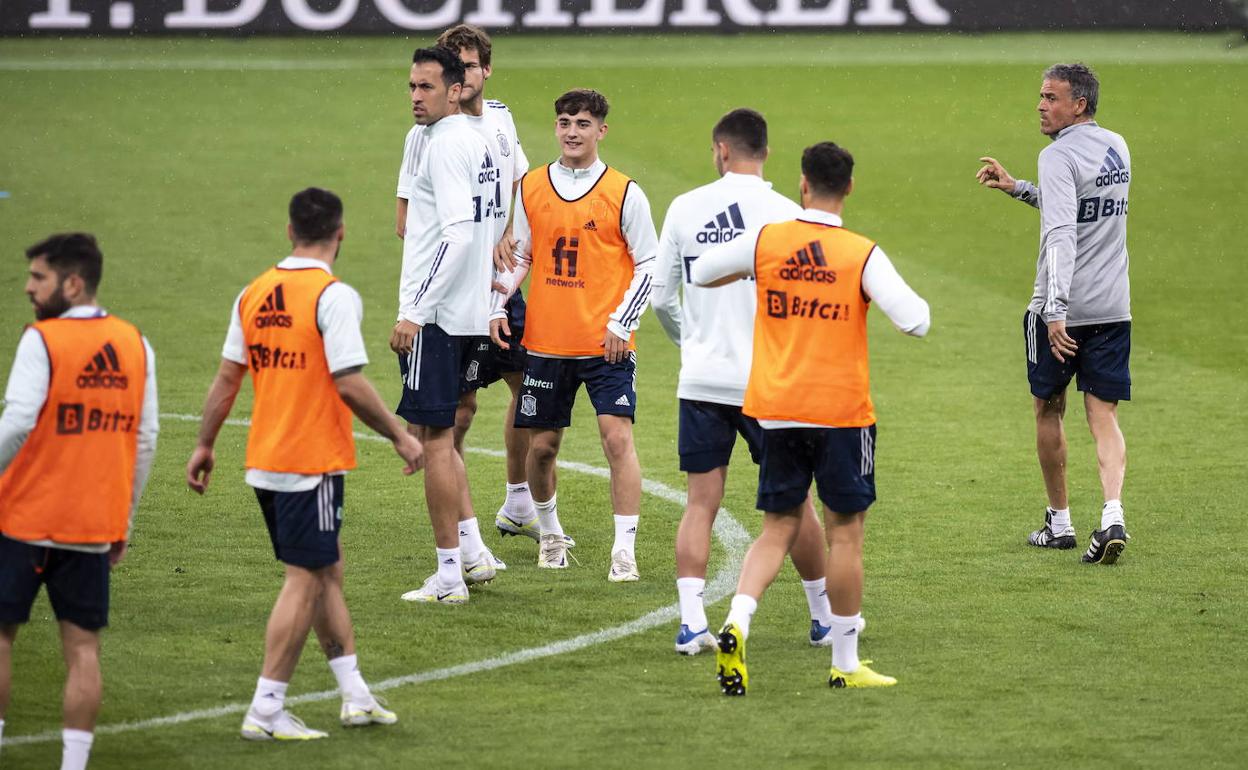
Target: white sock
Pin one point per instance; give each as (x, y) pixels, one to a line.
(448, 567)
(625, 533)
(548, 514)
(77, 749)
(692, 613)
(270, 697)
(1111, 514)
(741, 611)
(350, 682)
(817, 600)
(845, 642)
(519, 503)
(470, 543)
(1059, 520)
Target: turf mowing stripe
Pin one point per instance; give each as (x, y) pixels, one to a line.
(734, 538)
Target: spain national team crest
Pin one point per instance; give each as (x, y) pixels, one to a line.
(528, 405)
(473, 368)
(504, 146)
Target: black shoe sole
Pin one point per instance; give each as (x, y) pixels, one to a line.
(731, 684)
(1109, 553)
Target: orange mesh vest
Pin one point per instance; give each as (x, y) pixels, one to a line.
(298, 422)
(810, 329)
(73, 479)
(581, 265)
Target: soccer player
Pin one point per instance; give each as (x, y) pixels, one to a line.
(487, 363)
(1081, 303)
(444, 303)
(809, 389)
(77, 439)
(585, 232)
(297, 328)
(714, 329)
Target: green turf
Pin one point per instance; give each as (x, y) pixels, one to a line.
(181, 154)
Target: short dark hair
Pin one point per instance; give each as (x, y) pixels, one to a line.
(744, 129)
(828, 169)
(582, 100)
(315, 215)
(452, 65)
(72, 254)
(468, 36)
(1082, 80)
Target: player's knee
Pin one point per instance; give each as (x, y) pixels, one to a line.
(617, 443)
(543, 452)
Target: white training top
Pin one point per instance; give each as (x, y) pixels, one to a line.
(448, 248)
(496, 126)
(880, 282)
(636, 223)
(714, 327)
(339, 312)
(27, 391)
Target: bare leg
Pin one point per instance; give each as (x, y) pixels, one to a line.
(1051, 447)
(693, 536)
(289, 622)
(333, 620)
(1111, 448)
(515, 439)
(8, 633)
(446, 486)
(810, 552)
(846, 533)
(543, 451)
(464, 414)
(766, 555)
(617, 445)
(83, 685)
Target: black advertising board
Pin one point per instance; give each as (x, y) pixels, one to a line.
(287, 17)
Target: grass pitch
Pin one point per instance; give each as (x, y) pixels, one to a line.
(181, 155)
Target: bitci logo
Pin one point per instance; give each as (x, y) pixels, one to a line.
(777, 304)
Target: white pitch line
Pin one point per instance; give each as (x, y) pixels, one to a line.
(728, 530)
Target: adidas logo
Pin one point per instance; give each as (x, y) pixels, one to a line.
(807, 264)
(103, 371)
(726, 225)
(273, 311)
(1113, 170)
(630, 531)
(448, 561)
(623, 401)
(590, 226)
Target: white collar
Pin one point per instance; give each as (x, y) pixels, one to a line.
(751, 180)
(84, 311)
(593, 170)
(821, 217)
(303, 263)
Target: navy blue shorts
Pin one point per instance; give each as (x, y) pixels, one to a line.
(77, 583)
(1102, 361)
(550, 385)
(841, 461)
(304, 526)
(487, 362)
(708, 432)
(433, 377)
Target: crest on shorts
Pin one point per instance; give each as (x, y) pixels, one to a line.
(473, 368)
(528, 405)
(504, 146)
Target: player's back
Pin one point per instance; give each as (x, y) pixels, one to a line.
(1100, 163)
(717, 325)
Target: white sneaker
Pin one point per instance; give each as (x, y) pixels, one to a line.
(499, 564)
(354, 715)
(282, 726)
(623, 567)
(434, 593)
(532, 528)
(553, 552)
(479, 569)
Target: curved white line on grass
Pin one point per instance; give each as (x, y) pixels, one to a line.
(731, 534)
